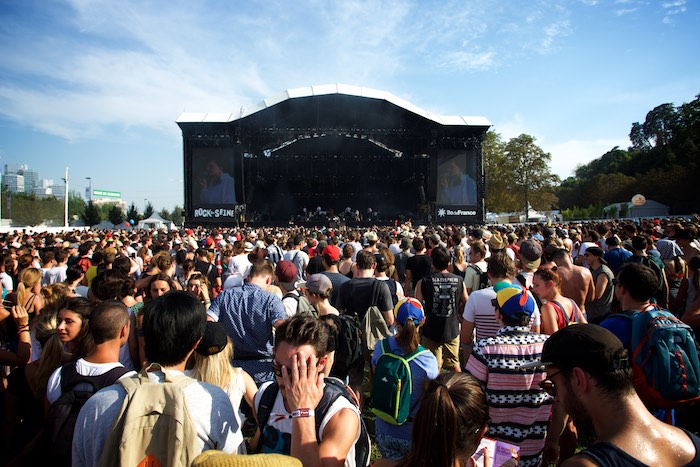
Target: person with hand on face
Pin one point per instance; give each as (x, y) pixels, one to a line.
(298, 389)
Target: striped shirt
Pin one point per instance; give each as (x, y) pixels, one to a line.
(519, 410)
(480, 311)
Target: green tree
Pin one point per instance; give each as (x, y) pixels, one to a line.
(148, 210)
(499, 179)
(91, 215)
(165, 214)
(177, 215)
(116, 215)
(660, 124)
(133, 213)
(533, 179)
(76, 205)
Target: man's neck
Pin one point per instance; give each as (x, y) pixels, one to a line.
(630, 304)
(364, 273)
(333, 268)
(107, 352)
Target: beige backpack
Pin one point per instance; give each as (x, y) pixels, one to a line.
(154, 427)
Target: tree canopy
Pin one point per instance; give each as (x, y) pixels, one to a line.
(663, 164)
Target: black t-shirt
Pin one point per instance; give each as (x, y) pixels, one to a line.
(356, 296)
(337, 279)
(441, 296)
(420, 266)
(209, 270)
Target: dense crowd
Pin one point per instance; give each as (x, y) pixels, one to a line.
(283, 331)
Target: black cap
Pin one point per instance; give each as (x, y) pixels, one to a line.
(214, 339)
(586, 346)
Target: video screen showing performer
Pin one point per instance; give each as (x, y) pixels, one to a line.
(214, 177)
(456, 185)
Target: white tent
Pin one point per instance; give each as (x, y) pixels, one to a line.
(156, 222)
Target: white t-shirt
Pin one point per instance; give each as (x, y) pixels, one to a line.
(290, 304)
(240, 265)
(281, 420)
(6, 282)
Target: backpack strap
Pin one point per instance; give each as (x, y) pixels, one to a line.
(291, 295)
(375, 293)
(576, 314)
(561, 310)
(264, 408)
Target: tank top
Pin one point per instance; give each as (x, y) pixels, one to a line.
(609, 455)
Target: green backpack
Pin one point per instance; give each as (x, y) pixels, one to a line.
(392, 385)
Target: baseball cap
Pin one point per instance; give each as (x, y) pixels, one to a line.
(317, 283)
(409, 308)
(587, 346)
(332, 251)
(531, 254)
(514, 301)
(214, 339)
(286, 272)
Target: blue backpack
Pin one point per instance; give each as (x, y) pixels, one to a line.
(664, 359)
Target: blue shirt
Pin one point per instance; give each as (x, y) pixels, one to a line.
(248, 313)
(423, 368)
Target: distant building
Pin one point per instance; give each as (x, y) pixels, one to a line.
(14, 183)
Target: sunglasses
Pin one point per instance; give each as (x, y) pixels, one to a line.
(548, 386)
(277, 369)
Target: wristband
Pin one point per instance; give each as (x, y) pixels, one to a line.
(207, 302)
(302, 413)
(22, 326)
(21, 331)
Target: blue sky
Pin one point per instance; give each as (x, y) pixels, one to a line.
(97, 85)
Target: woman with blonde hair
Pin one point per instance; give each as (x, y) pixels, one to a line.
(212, 364)
(28, 291)
(459, 265)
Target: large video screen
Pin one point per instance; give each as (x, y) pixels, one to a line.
(457, 194)
(216, 190)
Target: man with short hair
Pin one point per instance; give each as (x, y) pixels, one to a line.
(401, 259)
(249, 314)
(356, 296)
(297, 256)
(173, 325)
(331, 257)
(417, 266)
(530, 260)
(518, 408)
(300, 357)
(208, 269)
(603, 279)
(443, 295)
(588, 372)
(616, 256)
(477, 266)
(576, 281)
(640, 256)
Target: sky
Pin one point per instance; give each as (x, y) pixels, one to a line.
(96, 85)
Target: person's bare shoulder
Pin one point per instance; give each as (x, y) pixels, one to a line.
(578, 461)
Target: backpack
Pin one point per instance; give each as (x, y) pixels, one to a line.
(348, 351)
(664, 359)
(575, 316)
(483, 277)
(333, 389)
(392, 385)
(154, 426)
(63, 413)
(303, 305)
(374, 327)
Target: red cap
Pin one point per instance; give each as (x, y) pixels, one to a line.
(286, 272)
(209, 241)
(332, 251)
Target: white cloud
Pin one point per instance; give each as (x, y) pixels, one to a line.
(625, 11)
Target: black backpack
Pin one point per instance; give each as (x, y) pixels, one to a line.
(348, 351)
(63, 413)
(332, 391)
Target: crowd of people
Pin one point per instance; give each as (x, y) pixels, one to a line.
(253, 336)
